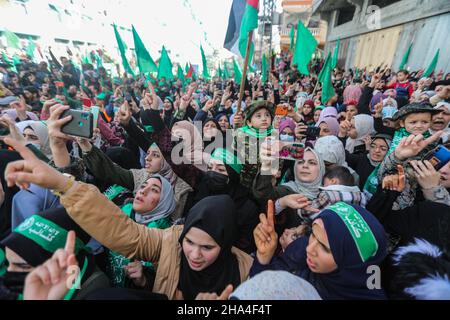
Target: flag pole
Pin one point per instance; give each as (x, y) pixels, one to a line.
(244, 74)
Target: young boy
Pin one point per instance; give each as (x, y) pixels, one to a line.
(413, 119)
(247, 140)
(403, 87)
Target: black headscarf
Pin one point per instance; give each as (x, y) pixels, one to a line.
(217, 217)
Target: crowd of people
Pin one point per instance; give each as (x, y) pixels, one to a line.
(182, 192)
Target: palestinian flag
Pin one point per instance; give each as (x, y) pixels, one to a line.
(243, 19)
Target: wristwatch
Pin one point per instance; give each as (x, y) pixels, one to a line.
(67, 187)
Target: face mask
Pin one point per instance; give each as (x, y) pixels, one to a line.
(287, 138)
(15, 281)
(217, 182)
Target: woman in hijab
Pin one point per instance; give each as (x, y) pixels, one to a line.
(223, 177)
(152, 207)
(169, 110)
(328, 127)
(224, 121)
(309, 173)
(308, 112)
(34, 242)
(287, 130)
(345, 241)
(362, 127)
(332, 151)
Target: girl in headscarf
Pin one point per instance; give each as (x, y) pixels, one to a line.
(308, 112)
(223, 177)
(345, 241)
(362, 126)
(36, 133)
(152, 207)
(38, 238)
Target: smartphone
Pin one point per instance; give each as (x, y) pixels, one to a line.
(312, 132)
(281, 110)
(293, 151)
(82, 124)
(4, 131)
(438, 157)
(95, 112)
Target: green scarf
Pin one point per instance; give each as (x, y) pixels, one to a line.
(117, 262)
(259, 134)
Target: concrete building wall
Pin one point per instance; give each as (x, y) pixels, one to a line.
(426, 23)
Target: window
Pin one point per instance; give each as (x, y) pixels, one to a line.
(345, 15)
(384, 3)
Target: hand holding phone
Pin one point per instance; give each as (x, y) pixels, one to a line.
(312, 132)
(438, 157)
(81, 125)
(282, 110)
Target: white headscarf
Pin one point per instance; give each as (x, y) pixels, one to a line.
(364, 125)
(41, 131)
(308, 189)
(166, 204)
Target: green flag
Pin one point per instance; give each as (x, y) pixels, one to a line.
(31, 48)
(405, 58)
(99, 61)
(206, 75)
(144, 60)
(292, 36)
(12, 40)
(16, 60)
(264, 69)
(251, 68)
(180, 73)
(249, 23)
(165, 66)
(122, 50)
(237, 72)
(327, 86)
(336, 54)
(322, 72)
(432, 65)
(187, 67)
(226, 73)
(9, 62)
(220, 72)
(305, 46)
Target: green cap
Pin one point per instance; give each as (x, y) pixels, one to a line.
(227, 158)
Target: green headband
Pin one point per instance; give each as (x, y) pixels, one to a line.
(362, 235)
(228, 158)
(46, 234)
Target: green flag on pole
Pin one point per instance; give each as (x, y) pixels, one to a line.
(186, 68)
(165, 66)
(327, 86)
(292, 37)
(322, 72)
(180, 73)
(264, 69)
(226, 73)
(336, 54)
(12, 40)
(432, 65)
(122, 49)
(206, 75)
(144, 60)
(16, 60)
(405, 58)
(31, 47)
(305, 46)
(249, 23)
(220, 72)
(237, 72)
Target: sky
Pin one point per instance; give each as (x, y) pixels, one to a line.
(180, 25)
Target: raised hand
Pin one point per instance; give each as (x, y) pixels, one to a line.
(54, 124)
(52, 280)
(31, 170)
(266, 239)
(426, 174)
(124, 114)
(297, 201)
(411, 146)
(396, 182)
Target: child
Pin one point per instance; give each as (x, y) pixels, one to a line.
(403, 87)
(247, 140)
(338, 185)
(413, 119)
